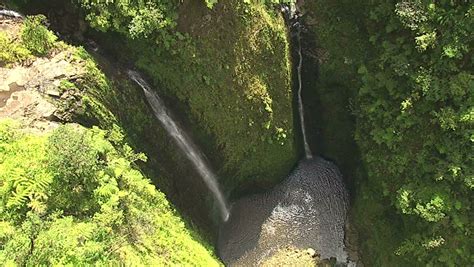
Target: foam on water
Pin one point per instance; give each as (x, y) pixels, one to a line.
(308, 210)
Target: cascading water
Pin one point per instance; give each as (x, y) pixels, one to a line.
(292, 18)
(307, 150)
(307, 210)
(10, 13)
(183, 141)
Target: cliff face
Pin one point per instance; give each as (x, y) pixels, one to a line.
(79, 190)
(230, 79)
(226, 72)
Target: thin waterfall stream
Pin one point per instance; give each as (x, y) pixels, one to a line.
(307, 149)
(308, 210)
(183, 141)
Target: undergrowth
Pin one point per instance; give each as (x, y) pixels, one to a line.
(34, 40)
(74, 196)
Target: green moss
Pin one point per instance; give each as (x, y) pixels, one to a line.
(233, 80)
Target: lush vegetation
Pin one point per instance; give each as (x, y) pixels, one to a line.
(219, 77)
(412, 64)
(34, 39)
(395, 89)
(73, 196)
(78, 197)
(11, 51)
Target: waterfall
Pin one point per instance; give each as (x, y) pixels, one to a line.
(10, 13)
(307, 150)
(292, 17)
(183, 141)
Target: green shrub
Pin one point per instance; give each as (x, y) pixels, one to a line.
(74, 163)
(71, 198)
(11, 51)
(36, 37)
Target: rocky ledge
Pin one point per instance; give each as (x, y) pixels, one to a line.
(29, 91)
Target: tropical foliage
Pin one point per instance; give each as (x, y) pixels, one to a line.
(71, 197)
(402, 68)
(416, 103)
(34, 39)
(412, 62)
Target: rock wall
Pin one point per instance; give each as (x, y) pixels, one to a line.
(231, 82)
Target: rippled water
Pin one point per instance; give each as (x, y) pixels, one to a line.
(308, 210)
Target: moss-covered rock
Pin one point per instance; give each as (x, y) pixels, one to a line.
(231, 78)
(225, 71)
(136, 224)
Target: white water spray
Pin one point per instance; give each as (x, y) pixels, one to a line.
(307, 150)
(183, 141)
(10, 13)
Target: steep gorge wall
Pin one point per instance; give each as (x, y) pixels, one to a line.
(81, 186)
(228, 77)
(231, 81)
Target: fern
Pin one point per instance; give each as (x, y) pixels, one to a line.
(24, 178)
(29, 189)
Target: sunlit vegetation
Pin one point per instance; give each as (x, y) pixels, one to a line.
(73, 196)
(395, 84)
(219, 76)
(409, 70)
(34, 39)
(11, 51)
